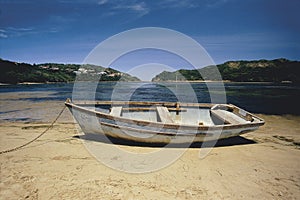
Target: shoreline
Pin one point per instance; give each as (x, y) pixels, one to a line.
(196, 81)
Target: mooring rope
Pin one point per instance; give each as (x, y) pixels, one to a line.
(37, 137)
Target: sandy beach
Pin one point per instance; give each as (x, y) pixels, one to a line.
(264, 164)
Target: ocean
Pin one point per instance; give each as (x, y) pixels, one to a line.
(264, 98)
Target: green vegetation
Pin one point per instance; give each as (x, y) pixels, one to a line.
(13, 73)
(278, 70)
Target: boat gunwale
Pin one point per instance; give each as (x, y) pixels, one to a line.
(160, 124)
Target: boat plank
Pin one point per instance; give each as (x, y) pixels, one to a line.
(226, 118)
(152, 109)
(116, 111)
(166, 104)
(164, 114)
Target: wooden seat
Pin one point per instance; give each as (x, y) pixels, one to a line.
(225, 117)
(116, 111)
(164, 115)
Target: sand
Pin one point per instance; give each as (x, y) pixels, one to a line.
(260, 165)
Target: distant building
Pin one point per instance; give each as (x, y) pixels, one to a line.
(44, 67)
(54, 68)
(102, 73)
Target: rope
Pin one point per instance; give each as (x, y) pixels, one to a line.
(37, 137)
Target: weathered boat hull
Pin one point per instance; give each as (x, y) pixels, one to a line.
(95, 122)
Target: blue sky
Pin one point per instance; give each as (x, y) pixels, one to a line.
(65, 31)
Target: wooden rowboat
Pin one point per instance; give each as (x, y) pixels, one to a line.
(162, 122)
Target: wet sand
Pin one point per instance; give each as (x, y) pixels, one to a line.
(260, 165)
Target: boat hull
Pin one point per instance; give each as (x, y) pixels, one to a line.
(93, 122)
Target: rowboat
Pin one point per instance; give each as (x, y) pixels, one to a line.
(162, 122)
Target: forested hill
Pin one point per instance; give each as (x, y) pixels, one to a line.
(278, 70)
(13, 73)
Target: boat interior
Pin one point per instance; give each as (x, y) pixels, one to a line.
(194, 114)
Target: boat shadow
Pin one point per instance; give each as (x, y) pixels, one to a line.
(232, 141)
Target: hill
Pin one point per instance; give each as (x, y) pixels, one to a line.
(277, 70)
(13, 73)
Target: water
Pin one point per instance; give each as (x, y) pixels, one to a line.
(266, 98)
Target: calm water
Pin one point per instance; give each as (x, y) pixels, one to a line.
(254, 97)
